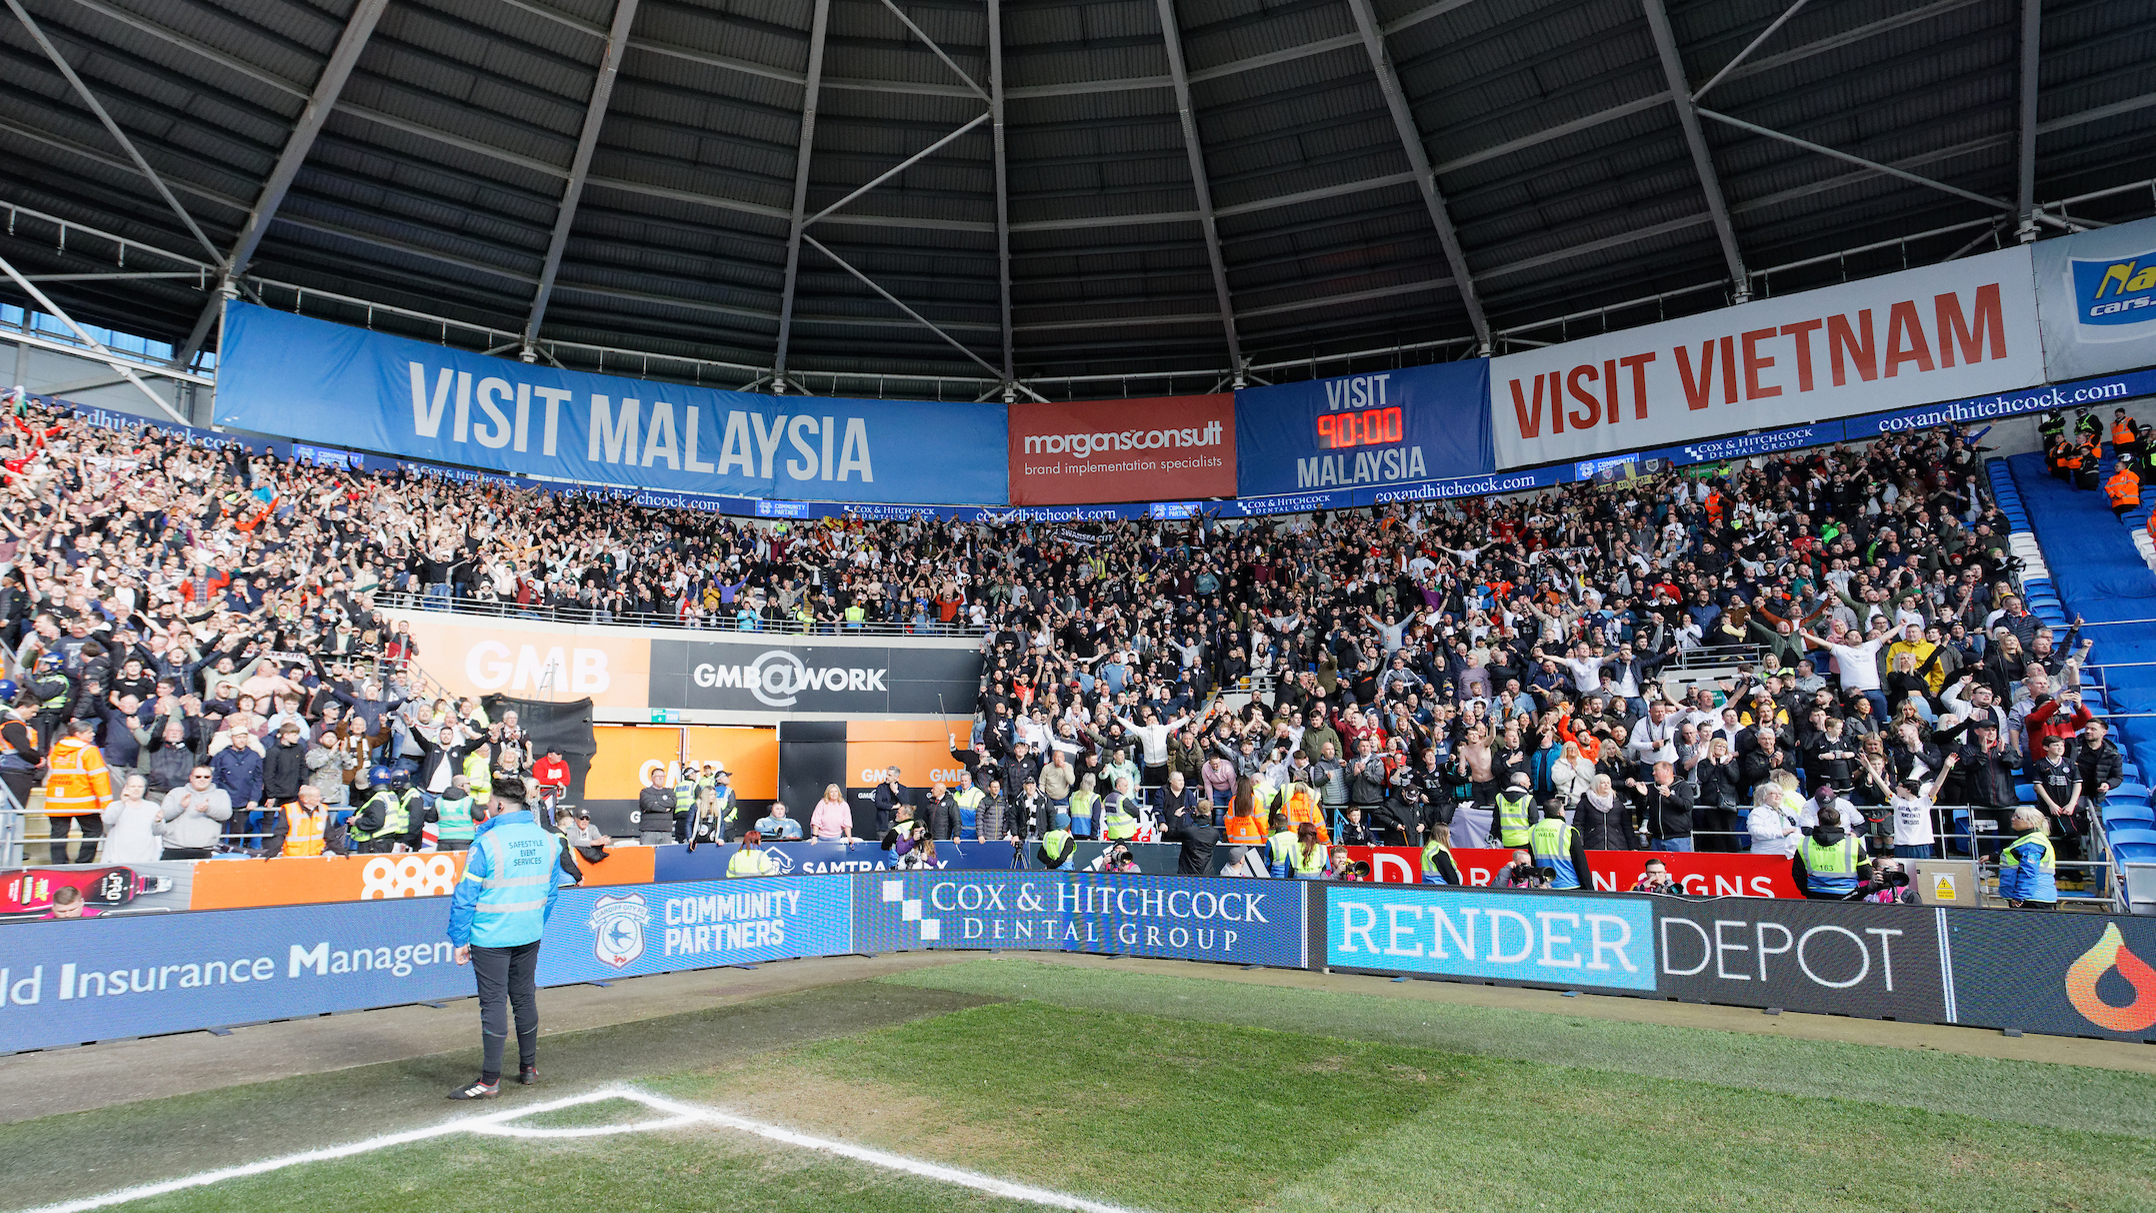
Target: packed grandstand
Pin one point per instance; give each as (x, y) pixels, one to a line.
(1700, 659)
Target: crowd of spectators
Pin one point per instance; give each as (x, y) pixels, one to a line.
(222, 608)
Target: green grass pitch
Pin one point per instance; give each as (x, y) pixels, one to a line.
(1158, 1093)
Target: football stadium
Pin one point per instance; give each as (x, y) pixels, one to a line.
(1140, 606)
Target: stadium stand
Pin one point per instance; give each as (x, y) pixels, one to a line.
(2099, 573)
(1846, 617)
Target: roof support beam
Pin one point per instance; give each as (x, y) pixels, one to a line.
(819, 25)
(2032, 20)
(1680, 92)
(342, 58)
(81, 334)
(1418, 158)
(1172, 38)
(90, 99)
(1003, 187)
(896, 169)
(1874, 165)
(916, 317)
(1749, 47)
(602, 91)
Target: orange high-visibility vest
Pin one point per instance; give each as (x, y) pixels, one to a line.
(78, 782)
(2124, 488)
(1246, 831)
(303, 830)
(2122, 434)
(1303, 806)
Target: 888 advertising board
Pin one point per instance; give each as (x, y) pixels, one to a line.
(1226, 920)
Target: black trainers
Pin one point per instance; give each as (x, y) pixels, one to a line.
(528, 1076)
(481, 1089)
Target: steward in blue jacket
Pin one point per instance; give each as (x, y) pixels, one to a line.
(512, 876)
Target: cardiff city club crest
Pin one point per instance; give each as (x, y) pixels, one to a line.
(617, 928)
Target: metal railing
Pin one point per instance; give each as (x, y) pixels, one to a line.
(720, 619)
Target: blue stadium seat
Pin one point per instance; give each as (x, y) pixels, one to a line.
(2132, 837)
(2129, 816)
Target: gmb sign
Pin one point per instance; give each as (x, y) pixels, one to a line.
(1536, 938)
(1218, 919)
(765, 674)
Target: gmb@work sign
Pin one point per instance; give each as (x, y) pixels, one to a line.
(1358, 431)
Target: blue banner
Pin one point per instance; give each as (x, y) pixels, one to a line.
(1209, 918)
(64, 983)
(627, 930)
(1536, 938)
(1363, 431)
(313, 380)
(1469, 486)
(708, 862)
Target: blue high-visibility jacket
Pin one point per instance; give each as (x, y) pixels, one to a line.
(511, 879)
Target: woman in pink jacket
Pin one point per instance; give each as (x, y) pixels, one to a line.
(832, 818)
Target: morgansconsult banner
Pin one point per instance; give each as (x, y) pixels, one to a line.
(1943, 332)
(1078, 453)
(310, 379)
(1361, 431)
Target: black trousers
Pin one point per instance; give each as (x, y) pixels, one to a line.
(92, 826)
(507, 979)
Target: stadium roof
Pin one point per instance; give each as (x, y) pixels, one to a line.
(1410, 177)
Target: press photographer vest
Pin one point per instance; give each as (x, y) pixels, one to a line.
(1550, 841)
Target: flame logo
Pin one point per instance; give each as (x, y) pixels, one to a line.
(2110, 951)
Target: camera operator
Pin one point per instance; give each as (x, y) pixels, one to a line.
(1523, 873)
(1830, 863)
(1888, 886)
(1558, 847)
(1655, 878)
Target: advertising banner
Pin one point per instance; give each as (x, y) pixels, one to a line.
(598, 934)
(313, 380)
(1081, 452)
(768, 673)
(2066, 974)
(1874, 961)
(2096, 293)
(64, 983)
(1702, 873)
(628, 756)
(231, 884)
(476, 655)
(26, 894)
(1516, 937)
(1361, 431)
(1943, 332)
(1215, 918)
(708, 862)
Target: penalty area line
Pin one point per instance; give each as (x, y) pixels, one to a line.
(677, 1115)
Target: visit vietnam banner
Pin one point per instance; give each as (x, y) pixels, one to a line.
(294, 376)
(1961, 329)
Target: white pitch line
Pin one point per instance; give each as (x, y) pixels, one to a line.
(497, 1124)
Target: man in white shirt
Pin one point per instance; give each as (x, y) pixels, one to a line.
(1653, 739)
(1857, 664)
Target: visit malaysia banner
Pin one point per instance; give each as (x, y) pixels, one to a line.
(1943, 332)
(1362, 431)
(2096, 292)
(310, 379)
(1082, 452)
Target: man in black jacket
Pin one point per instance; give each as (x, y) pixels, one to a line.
(655, 810)
(939, 814)
(284, 766)
(1193, 827)
(2101, 767)
(888, 796)
(1665, 809)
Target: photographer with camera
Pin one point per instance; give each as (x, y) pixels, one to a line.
(1523, 873)
(1655, 878)
(1889, 885)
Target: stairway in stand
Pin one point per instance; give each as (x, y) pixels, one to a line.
(2079, 560)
